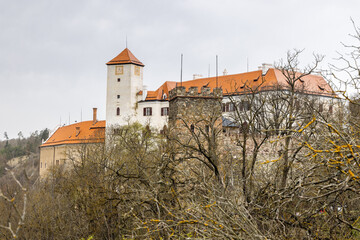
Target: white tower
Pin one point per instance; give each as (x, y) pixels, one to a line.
(124, 82)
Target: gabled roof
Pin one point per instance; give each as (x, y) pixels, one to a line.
(88, 133)
(162, 93)
(250, 81)
(125, 57)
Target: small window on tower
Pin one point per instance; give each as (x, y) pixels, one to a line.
(118, 111)
(119, 79)
(118, 96)
(137, 70)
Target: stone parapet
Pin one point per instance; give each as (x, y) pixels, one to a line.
(205, 92)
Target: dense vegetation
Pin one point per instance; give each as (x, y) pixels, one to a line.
(291, 171)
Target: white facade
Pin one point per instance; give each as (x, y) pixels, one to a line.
(124, 81)
(156, 120)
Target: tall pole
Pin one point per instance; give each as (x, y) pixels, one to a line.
(217, 71)
(247, 64)
(181, 70)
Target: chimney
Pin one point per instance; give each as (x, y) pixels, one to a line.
(225, 72)
(144, 92)
(77, 131)
(265, 67)
(94, 115)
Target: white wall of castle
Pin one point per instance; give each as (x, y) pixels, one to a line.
(155, 120)
(127, 88)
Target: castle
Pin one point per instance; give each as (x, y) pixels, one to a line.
(127, 101)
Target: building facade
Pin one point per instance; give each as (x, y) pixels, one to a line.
(66, 145)
(128, 101)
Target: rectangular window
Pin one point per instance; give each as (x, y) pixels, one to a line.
(148, 111)
(118, 96)
(164, 111)
(228, 107)
(207, 128)
(137, 71)
(246, 105)
(231, 107)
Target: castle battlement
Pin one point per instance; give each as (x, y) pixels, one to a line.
(205, 92)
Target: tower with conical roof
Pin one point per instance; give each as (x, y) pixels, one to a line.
(124, 82)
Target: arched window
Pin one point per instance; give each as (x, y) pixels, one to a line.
(118, 111)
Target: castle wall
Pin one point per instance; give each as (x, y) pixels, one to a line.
(50, 157)
(64, 156)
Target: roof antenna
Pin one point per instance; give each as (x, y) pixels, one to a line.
(181, 70)
(80, 114)
(209, 71)
(217, 71)
(247, 64)
(126, 41)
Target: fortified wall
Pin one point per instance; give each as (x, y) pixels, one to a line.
(194, 106)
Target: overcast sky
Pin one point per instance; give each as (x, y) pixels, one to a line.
(53, 53)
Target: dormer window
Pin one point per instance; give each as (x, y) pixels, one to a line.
(321, 88)
(255, 80)
(164, 96)
(301, 80)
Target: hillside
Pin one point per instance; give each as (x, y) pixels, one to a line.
(21, 154)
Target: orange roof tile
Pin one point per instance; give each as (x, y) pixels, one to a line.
(125, 57)
(89, 133)
(243, 82)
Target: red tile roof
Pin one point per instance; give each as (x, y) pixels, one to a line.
(125, 57)
(244, 82)
(89, 133)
